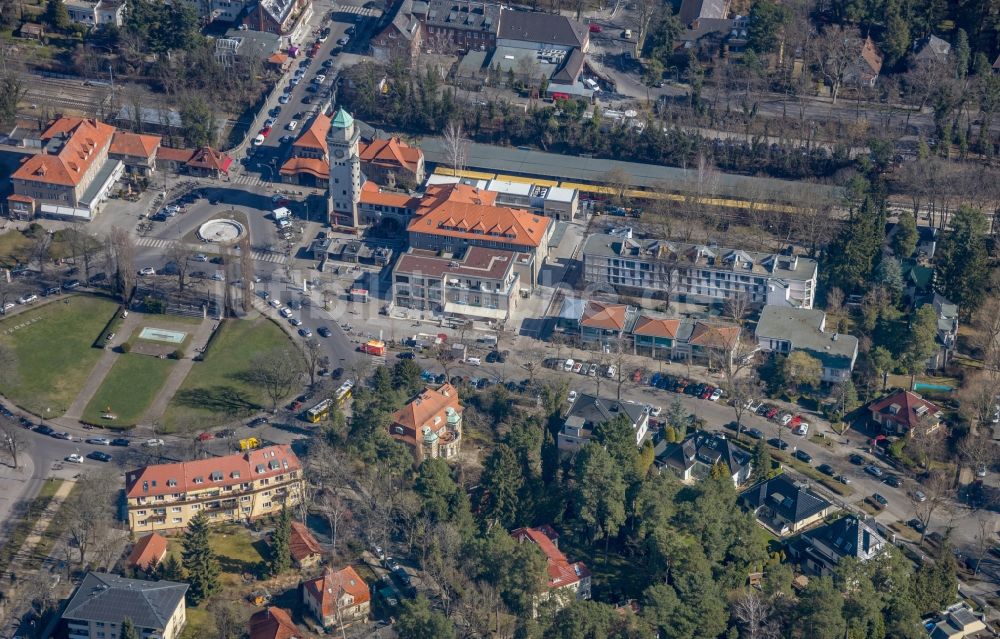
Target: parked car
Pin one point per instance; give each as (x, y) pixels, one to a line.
(286, 312)
(99, 456)
(892, 480)
(802, 455)
(856, 459)
(324, 331)
(844, 479)
(205, 437)
(149, 270)
(880, 500)
(571, 397)
(755, 433)
(63, 435)
(74, 458)
(153, 442)
(295, 321)
(99, 441)
(916, 525)
(874, 471)
(919, 496)
(305, 332)
(42, 429)
(826, 469)
(121, 441)
(780, 444)
(716, 395)
(257, 421)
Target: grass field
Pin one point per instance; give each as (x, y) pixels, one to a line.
(52, 344)
(214, 389)
(128, 388)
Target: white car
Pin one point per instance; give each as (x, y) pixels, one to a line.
(802, 429)
(568, 366)
(571, 397)
(153, 443)
(200, 257)
(656, 411)
(8, 306)
(257, 141)
(286, 312)
(100, 441)
(292, 125)
(218, 276)
(319, 79)
(785, 419)
(282, 100)
(275, 302)
(149, 270)
(75, 458)
(27, 299)
(611, 371)
(716, 394)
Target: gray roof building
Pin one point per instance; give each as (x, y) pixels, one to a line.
(589, 411)
(821, 549)
(931, 49)
(108, 599)
(542, 29)
(784, 329)
(700, 451)
(692, 10)
(784, 505)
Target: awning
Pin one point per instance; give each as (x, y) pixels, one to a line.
(475, 311)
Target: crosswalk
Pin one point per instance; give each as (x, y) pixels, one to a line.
(248, 179)
(258, 256)
(361, 11)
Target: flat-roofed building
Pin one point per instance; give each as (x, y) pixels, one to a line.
(239, 487)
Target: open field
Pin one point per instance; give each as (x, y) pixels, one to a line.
(128, 389)
(53, 347)
(215, 389)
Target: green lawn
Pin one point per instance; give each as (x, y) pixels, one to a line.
(53, 347)
(128, 389)
(237, 551)
(214, 389)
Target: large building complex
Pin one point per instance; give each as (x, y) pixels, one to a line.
(535, 196)
(103, 601)
(240, 487)
(430, 424)
(700, 273)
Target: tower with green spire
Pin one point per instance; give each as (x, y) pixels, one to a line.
(345, 170)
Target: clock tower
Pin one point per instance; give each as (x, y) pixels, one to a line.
(345, 170)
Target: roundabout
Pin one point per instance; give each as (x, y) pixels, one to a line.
(221, 231)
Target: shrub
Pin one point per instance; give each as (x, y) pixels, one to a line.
(177, 354)
(125, 348)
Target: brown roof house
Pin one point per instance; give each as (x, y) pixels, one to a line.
(566, 581)
(207, 162)
(308, 165)
(273, 623)
(604, 323)
(136, 150)
(338, 597)
(147, 552)
(392, 161)
(905, 413)
(430, 424)
(304, 548)
(865, 69)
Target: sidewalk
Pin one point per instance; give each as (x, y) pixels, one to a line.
(16, 482)
(177, 376)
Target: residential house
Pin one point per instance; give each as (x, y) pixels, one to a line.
(532, 45)
(694, 458)
(147, 552)
(93, 14)
(819, 551)
(785, 506)
(930, 50)
(35, 31)
(905, 413)
(947, 331)
(865, 69)
(73, 174)
(430, 424)
(783, 329)
(273, 623)
(711, 38)
(207, 162)
(566, 581)
(402, 37)
(392, 162)
(958, 622)
(303, 547)
(103, 601)
(710, 342)
(699, 273)
(606, 324)
(337, 597)
(589, 411)
(278, 16)
(477, 283)
(692, 10)
(308, 165)
(239, 487)
(451, 25)
(451, 216)
(137, 151)
(655, 337)
(172, 160)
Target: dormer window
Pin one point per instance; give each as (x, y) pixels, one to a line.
(216, 476)
(171, 482)
(199, 480)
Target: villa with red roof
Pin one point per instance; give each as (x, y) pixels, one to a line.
(239, 487)
(303, 547)
(430, 424)
(905, 413)
(392, 162)
(337, 597)
(566, 581)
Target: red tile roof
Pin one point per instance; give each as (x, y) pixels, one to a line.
(134, 144)
(463, 211)
(210, 159)
(655, 327)
(391, 153)
(715, 335)
(20, 198)
(83, 142)
(372, 193)
(906, 409)
(429, 408)
(331, 585)
(278, 58)
(231, 470)
(273, 623)
(315, 136)
(561, 572)
(603, 315)
(169, 154)
(147, 552)
(302, 544)
(313, 166)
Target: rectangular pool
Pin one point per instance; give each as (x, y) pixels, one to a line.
(162, 335)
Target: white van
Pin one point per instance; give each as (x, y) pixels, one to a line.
(473, 361)
(627, 34)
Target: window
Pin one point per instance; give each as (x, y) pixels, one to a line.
(245, 498)
(177, 520)
(176, 509)
(267, 504)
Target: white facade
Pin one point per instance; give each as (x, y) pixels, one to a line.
(345, 170)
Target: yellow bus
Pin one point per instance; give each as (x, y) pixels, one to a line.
(343, 393)
(319, 412)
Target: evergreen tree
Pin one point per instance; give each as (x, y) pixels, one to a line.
(199, 560)
(618, 438)
(961, 262)
(56, 15)
(896, 39)
(851, 256)
(171, 569)
(764, 25)
(889, 276)
(128, 630)
(760, 462)
(963, 54)
(922, 339)
(502, 481)
(904, 239)
(418, 621)
(821, 609)
(600, 491)
(281, 554)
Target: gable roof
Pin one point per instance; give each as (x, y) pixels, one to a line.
(134, 144)
(147, 552)
(331, 584)
(208, 158)
(704, 447)
(71, 146)
(545, 28)
(301, 543)
(273, 623)
(905, 408)
(589, 411)
(313, 166)
(793, 502)
(167, 153)
(561, 572)
(110, 599)
(714, 335)
(315, 136)
(201, 474)
(847, 537)
(391, 152)
(871, 55)
(692, 10)
(656, 327)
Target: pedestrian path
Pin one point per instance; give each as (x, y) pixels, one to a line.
(178, 373)
(101, 369)
(248, 179)
(259, 256)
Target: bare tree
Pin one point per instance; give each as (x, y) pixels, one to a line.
(83, 247)
(121, 258)
(13, 441)
(978, 397)
(986, 536)
(179, 255)
(313, 352)
(456, 146)
(277, 372)
(937, 492)
(246, 272)
(742, 390)
(737, 306)
(978, 450)
(834, 51)
(88, 511)
(754, 614)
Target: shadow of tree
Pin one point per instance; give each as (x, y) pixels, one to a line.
(220, 399)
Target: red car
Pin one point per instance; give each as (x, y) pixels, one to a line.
(266, 131)
(771, 412)
(795, 421)
(705, 394)
(595, 28)
(204, 437)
